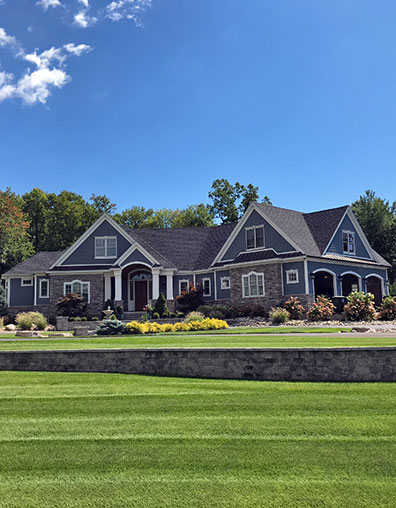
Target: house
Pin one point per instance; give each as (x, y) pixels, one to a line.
(269, 255)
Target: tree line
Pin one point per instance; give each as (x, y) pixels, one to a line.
(40, 221)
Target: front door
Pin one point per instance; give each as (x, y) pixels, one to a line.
(140, 294)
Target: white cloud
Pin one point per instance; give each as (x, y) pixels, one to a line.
(35, 85)
(84, 20)
(46, 4)
(6, 40)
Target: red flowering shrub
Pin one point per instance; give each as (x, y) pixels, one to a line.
(294, 307)
(190, 299)
(321, 310)
(360, 307)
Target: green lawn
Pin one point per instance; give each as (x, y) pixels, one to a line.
(195, 341)
(119, 441)
(274, 330)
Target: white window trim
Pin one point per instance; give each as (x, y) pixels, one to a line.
(222, 280)
(346, 231)
(210, 286)
(289, 272)
(26, 285)
(81, 282)
(180, 283)
(40, 288)
(106, 238)
(255, 238)
(243, 285)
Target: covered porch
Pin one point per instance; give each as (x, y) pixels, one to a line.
(137, 285)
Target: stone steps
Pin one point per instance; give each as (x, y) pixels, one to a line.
(133, 316)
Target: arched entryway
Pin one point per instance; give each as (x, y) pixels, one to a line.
(137, 286)
(350, 282)
(324, 283)
(374, 286)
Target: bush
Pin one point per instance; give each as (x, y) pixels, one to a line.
(388, 309)
(207, 324)
(1, 323)
(24, 321)
(84, 318)
(38, 320)
(360, 307)
(180, 315)
(113, 317)
(3, 301)
(392, 289)
(216, 311)
(71, 305)
(110, 327)
(321, 310)
(294, 307)
(249, 309)
(190, 299)
(279, 316)
(95, 318)
(161, 306)
(194, 316)
(156, 315)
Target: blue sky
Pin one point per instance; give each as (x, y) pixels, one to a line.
(295, 96)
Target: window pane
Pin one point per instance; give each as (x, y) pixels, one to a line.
(44, 288)
(68, 289)
(76, 288)
(260, 282)
(259, 237)
(85, 290)
(100, 247)
(111, 247)
(250, 238)
(246, 286)
(253, 285)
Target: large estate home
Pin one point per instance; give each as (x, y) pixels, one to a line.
(269, 255)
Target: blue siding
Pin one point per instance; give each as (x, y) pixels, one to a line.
(85, 253)
(198, 279)
(296, 288)
(222, 294)
(339, 269)
(136, 257)
(272, 238)
(336, 244)
(21, 295)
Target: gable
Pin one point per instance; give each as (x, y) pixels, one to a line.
(84, 254)
(273, 239)
(336, 247)
(136, 257)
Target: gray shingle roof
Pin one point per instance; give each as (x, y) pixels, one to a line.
(183, 248)
(39, 263)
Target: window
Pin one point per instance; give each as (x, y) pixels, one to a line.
(206, 287)
(26, 282)
(291, 276)
(348, 242)
(183, 285)
(77, 287)
(225, 283)
(253, 284)
(255, 237)
(105, 247)
(44, 288)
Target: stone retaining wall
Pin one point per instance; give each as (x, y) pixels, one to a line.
(308, 364)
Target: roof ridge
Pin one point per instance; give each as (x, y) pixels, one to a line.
(326, 210)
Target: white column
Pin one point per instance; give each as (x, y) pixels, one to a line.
(107, 286)
(169, 287)
(155, 284)
(118, 286)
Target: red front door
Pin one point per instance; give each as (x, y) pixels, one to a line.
(140, 294)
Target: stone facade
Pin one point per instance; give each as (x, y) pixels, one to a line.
(306, 364)
(96, 281)
(272, 284)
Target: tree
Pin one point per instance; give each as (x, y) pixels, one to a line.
(102, 204)
(377, 218)
(134, 217)
(161, 306)
(36, 207)
(193, 216)
(230, 202)
(15, 245)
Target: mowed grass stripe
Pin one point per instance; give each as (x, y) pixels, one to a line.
(235, 443)
(200, 341)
